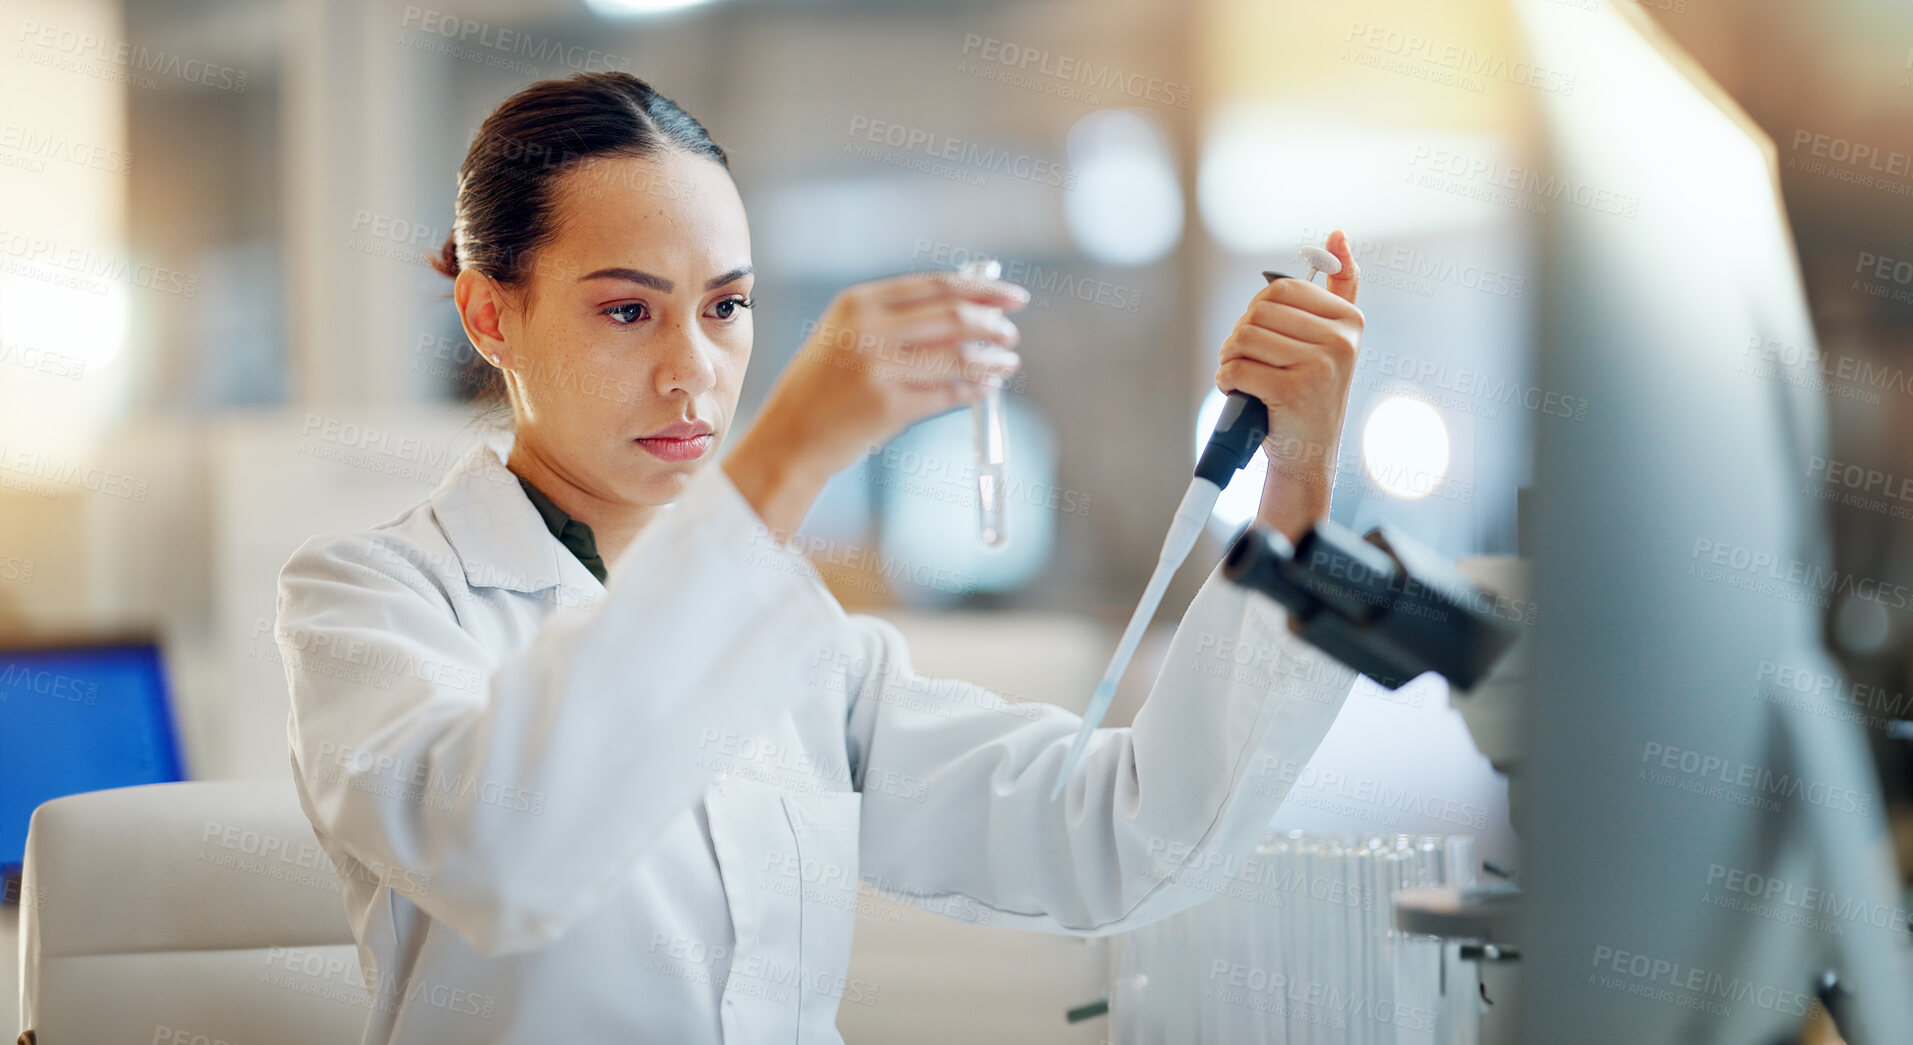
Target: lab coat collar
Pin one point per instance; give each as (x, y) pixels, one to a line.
(499, 537)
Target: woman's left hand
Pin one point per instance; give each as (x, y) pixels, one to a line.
(1295, 349)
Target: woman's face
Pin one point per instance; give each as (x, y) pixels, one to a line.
(625, 348)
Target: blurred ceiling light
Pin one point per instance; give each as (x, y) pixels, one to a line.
(1268, 170)
(47, 315)
(67, 293)
(1241, 498)
(635, 8)
(1125, 206)
(1405, 447)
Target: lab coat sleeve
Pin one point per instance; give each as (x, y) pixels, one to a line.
(523, 785)
(956, 781)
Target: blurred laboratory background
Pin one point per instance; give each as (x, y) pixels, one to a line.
(219, 335)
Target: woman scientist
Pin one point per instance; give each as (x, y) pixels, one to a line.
(597, 756)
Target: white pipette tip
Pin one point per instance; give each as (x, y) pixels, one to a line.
(1191, 515)
(1099, 703)
(1318, 260)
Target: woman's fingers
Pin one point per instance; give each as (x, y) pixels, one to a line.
(1281, 335)
(925, 401)
(1346, 283)
(1285, 319)
(946, 361)
(1309, 297)
(916, 288)
(947, 322)
(1268, 347)
(1276, 386)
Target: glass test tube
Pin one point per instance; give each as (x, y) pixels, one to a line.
(992, 437)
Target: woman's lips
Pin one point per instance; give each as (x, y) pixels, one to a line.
(667, 448)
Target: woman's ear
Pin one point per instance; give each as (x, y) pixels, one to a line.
(481, 305)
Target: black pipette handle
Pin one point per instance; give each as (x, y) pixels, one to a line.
(1241, 428)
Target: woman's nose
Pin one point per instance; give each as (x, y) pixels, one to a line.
(685, 363)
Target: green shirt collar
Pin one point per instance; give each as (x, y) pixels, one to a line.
(574, 535)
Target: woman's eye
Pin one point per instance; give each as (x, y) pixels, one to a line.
(625, 315)
(727, 308)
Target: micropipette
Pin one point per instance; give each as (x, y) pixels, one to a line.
(1241, 428)
(986, 425)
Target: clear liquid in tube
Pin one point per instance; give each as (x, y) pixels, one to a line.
(990, 433)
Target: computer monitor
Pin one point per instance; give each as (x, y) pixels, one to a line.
(80, 715)
(1702, 832)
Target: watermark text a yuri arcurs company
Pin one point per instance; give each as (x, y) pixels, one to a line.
(393, 238)
(1333, 1006)
(377, 449)
(45, 475)
(299, 861)
(1810, 690)
(928, 150)
(1676, 982)
(166, 1034)
(1830, 373)
(1363, 798)
(1726, 778)
(33, 149)
(21, 682)
(1251, 877)
(779, 761)
(1531, 190)
(425, 783)
(1859, 486)
(952, 480)
(77, 266)
(749, 971)
(1867, 165)
(1759, 571)
(324, 974)
(40, 360)
(500, 46)
(1757, 894)
(1420, 271)
(1047, 284)
(1448, 63)
(16, 570)
(887, 358)
(851, 564)
(1882, 276)
(1069, 76)
(1269, 662)
(112, 59)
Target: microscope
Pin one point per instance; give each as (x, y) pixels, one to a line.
(1391, 608)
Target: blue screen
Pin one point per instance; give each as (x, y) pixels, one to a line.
(78, 718)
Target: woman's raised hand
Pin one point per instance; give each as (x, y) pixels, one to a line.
(886, 354)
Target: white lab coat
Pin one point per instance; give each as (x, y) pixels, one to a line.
(565, 811)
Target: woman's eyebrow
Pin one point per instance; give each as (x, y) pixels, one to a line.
(729, 277)
(631, 276)
(659, 282)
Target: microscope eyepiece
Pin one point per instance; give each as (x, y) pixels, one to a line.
(1382, 604)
